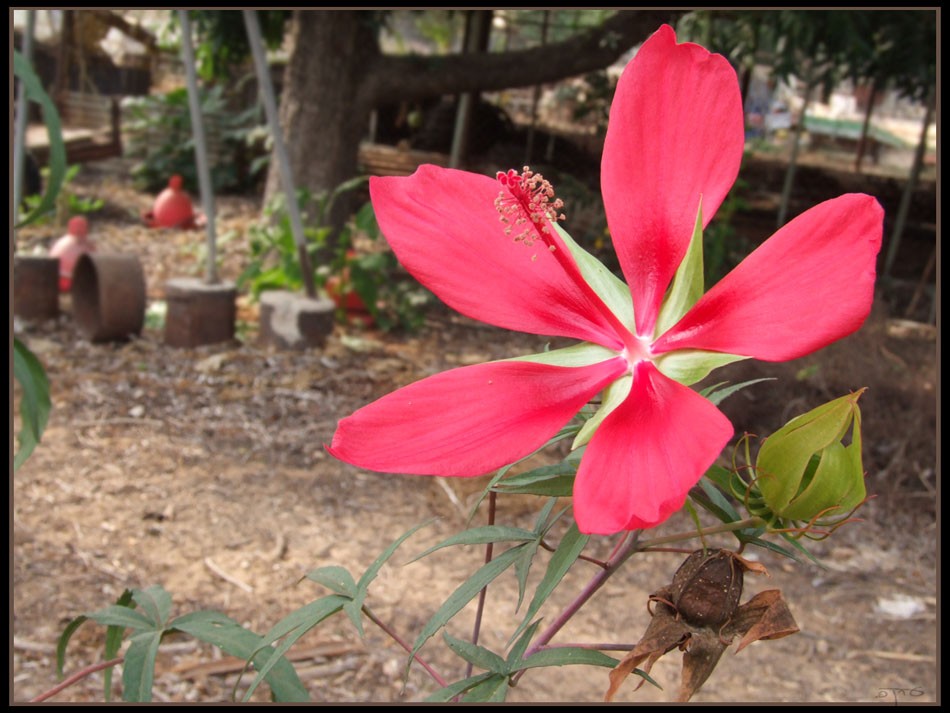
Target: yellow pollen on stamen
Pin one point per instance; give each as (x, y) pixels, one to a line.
(526, 203)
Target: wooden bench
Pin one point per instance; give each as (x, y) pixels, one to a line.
(383, 160)
(92, 128)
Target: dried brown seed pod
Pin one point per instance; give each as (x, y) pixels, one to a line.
(707, 587)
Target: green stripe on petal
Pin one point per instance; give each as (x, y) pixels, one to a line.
(583, 354)
(687, 286)
(614, 395)
(610, 288)
(688, 366)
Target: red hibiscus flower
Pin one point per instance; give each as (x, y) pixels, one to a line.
(493, 250)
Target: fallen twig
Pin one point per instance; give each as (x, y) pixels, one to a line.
(215, 569)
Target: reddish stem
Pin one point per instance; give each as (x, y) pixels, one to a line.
(404, 644)
(79, 675)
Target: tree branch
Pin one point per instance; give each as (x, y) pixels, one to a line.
(392, 79)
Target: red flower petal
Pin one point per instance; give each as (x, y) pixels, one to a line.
(675, 133)
(443, 226)
(646, 455)
(471, 420)
(808, 285)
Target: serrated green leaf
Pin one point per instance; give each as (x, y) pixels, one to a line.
(521, 645)
(493, 689)
(551, 480)
(482, 536)
(35, 404)
(568, 656)
(122, 616)
(335, 578)
(568, 430)
(523, 568)
(555, 486)
(138, 669)
(291, 628)
(155, 602)
(714, 500)
(542, 524)
(443, 695)
(476, 655)
(464, 593)
(228, 635)
(373, 569)
(570, 546)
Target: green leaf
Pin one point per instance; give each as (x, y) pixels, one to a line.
(476, 655)
(443, 695)
(687, 285)
(57, 149)
(113, 643)
(292, 627)
(614, 395)
(611, 289)
(138, 669)
(336, 579)
(567, 431)
(521, 645)
(713, 500)
(35, 403)
(228, 635)
(571, 545)
(155, 602)
(523, 568)
(717, 395)
(373, 569)
(464, 593)
(63, 641)
(576, 355)
(354, 608)
(552, 480)
(568, 656)
(687, 366)
(493, 689)
(482, 536)
(122, 616)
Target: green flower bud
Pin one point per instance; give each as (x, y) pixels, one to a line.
(804, 470)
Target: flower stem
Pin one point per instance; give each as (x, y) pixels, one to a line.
(404, 644)
(82, 673)
(492, 495)
(625, 548)
(727, 527)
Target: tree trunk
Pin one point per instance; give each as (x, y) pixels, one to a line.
(323, 112)
(336, 76)
(793, 159)
(865, 128)
(901, 220)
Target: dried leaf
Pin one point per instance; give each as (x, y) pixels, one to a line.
(699, 661)
(765, 616)
(665, 633)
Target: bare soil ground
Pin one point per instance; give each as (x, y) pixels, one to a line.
(203, 470)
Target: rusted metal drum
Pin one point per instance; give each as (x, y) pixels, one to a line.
(108, 295)
(35, 287)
